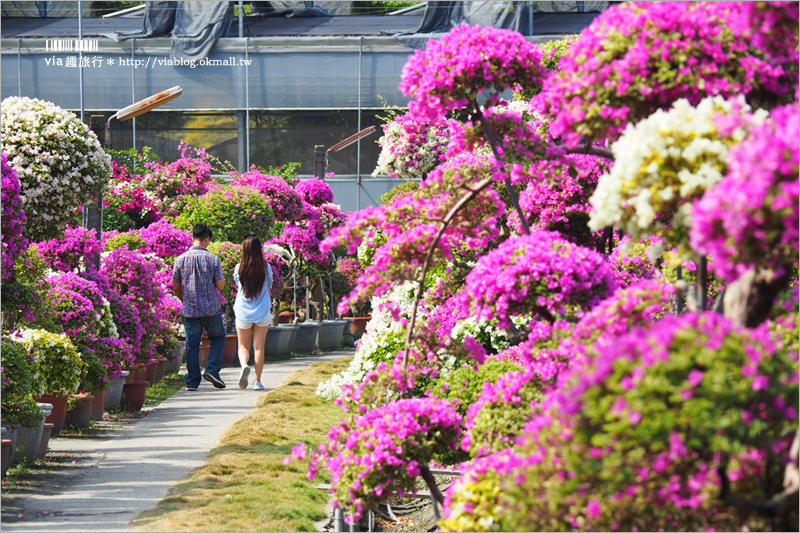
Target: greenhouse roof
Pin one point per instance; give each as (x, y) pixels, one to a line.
(353, 25)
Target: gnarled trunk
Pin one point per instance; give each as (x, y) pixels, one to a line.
(749, 300)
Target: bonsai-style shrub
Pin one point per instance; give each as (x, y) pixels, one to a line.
(58, 160)
(232, 212)
(79, 307)
(409, 432)
(411, 147)
(165, 240)
(72, 251)
(127, 205)
(286, 203)
(229, 254)
(58, 364)
(18, 384)
(131, 239)
(133, 276)
(750, 218)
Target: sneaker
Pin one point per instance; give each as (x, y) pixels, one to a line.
(187, 387)
(215, 380)
(257, 385)
(243, 377)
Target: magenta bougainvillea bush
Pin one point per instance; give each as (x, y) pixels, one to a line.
(637, 57)
(13, 241)
(286, 202)
(165, 240)
(751, 218)
(315, 191)
(548, 277)
(71, 252)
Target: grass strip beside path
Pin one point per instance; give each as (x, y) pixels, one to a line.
(243, 485)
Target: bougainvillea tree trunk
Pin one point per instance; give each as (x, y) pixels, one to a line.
(748, 300)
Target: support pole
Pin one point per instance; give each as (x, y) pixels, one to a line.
(80, 55)
(319, 161)
(94, 220)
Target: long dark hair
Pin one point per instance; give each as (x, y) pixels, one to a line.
(252, 267)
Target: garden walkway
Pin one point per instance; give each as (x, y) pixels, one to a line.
(116, 479)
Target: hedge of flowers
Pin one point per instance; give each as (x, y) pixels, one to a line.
(586, 396)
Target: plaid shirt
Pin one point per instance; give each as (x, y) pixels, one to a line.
(196, 270)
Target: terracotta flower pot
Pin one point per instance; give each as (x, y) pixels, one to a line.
(80, 415)
(133, 394)
(230, 350)
(285, 317)
(137, 373)
(45, 441)
(6, 462)
(358, 325)
(152, 371)
(161, 365)
(203, 355)
(98, 404)
(59, 412)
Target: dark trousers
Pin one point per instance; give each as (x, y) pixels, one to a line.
(216, 334)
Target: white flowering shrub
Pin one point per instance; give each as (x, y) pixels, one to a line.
(58, 160)
(664, 162)
(412, 147)
(59, 366)
(380, 343)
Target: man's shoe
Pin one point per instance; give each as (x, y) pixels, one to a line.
(243, 377)
(257, 385)
(216, 381)
(187, 387)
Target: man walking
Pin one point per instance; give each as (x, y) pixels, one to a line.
(194, 276)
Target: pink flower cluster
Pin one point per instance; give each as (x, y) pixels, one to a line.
(125, 194)
(383, 451)
(286, 202)
(751, 217)
(558, 191)
(125, 313)
(351, 269)
(13, 243)
(637, 57)
(410, 221)
(71, 251)
(315, 191)
(452, 71)
(133, 276)
(165, 240)
(540, 271)
(772, 27)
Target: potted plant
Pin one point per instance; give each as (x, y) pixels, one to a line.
(18, 408)
(59, 367)
(347, 271)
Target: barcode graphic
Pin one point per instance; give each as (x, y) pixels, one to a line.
(72, 45)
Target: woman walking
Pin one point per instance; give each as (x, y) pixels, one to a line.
(252, 307)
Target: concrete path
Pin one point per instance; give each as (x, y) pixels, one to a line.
(116, 479)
